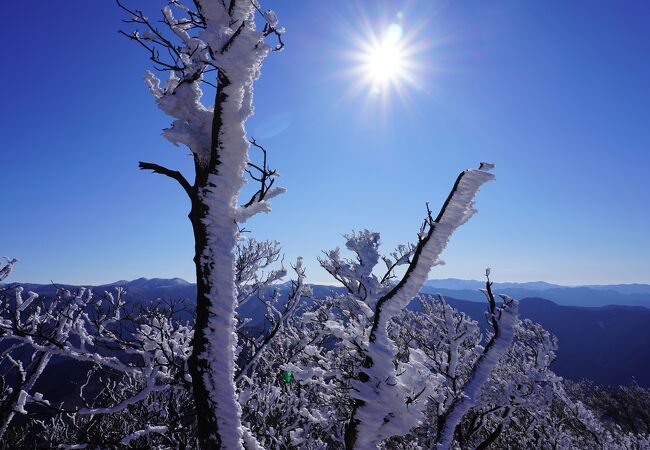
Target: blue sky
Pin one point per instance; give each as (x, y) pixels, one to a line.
(557, 94)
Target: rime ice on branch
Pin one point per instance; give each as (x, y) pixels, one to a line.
(150, 350)
(378, 414)
(6, 270)
(216, 43)
(502, 321)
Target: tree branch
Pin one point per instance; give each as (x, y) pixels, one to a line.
(175, 174)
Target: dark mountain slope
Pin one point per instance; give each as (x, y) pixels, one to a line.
(569, 296)
(609, 345)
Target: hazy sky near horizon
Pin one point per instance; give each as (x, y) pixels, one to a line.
(557, 94)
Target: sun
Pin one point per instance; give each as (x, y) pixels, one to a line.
(384, 61)
(385, 64)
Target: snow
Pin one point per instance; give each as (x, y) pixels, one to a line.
(271, 18)
(381, 415)
(126, 440)
(454, 343)
(230, 43)
(19, 406)
(488, 361)
(6, 270)
(22, 304)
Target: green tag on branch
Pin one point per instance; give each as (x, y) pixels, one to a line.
(287, 376)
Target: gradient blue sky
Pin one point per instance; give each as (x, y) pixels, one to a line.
(557, 94)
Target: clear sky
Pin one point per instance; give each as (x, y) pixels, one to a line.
(557, 94)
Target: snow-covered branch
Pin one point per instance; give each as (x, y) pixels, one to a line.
(126, 440)
(374, 416)
(256, 346)
(6, 269)
(503, 320)
(150, 345)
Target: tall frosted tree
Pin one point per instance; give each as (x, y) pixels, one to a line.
(213, 42)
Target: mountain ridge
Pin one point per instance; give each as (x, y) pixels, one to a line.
(609, 344)
(635, 294)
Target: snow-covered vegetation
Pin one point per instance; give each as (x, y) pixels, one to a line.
(300, 373)
(355, 370)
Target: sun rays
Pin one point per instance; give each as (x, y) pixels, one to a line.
(386, 61)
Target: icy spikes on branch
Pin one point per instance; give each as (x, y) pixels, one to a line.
(382, 408)
(216, 44)
(503, 320)
(356, 274)
(77, 327)
(6, 270)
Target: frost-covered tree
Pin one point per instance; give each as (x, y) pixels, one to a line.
(625, 407)
(383, 406)
(137, 386)
(436, 364)
(142, 351)
(10, 395)
(128, 408)
(212, 42)
(453, 385)
(522, 404)
(343, 354)
(502, 322)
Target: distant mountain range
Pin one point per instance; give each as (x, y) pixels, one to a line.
(587, 296)
(607, 344)
(459, 284)
(141, 289)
